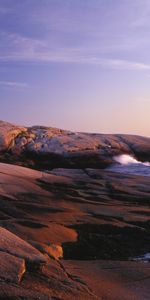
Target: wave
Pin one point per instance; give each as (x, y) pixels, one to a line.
(144, 258)
(125, 159)
(129, 165)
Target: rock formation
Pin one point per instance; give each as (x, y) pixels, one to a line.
(42, 147)
(76, 231)
(96, 219)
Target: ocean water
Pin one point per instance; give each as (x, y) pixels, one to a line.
(144, 258)
(129, 165)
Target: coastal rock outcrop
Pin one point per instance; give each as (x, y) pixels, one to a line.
(45, 147)
(72, 229)
(97, 218)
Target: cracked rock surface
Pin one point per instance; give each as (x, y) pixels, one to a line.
(96, 219)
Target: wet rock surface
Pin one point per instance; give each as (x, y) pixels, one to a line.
(98, 220)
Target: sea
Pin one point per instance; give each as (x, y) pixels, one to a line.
(129, 165)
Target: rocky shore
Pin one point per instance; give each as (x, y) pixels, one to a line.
(42, 147)
(73, 232)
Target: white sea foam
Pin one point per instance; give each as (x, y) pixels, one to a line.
(144, 258)
(126, 159)
(129, 165)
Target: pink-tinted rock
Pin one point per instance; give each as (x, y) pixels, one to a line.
(8, 133)
(14, 245)
(46, 147)
(12, 268)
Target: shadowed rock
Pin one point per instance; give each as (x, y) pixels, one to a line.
(11, 268)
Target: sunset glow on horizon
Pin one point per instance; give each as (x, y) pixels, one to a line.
(77, 65)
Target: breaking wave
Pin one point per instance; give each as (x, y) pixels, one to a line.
(144, 258)
(126, 159)
(128, 164)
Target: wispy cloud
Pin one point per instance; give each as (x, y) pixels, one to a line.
(16, 47)
(122, 64)
(67, 35)
(23, 49)
(13, 84)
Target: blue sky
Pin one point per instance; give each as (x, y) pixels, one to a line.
(82, 65)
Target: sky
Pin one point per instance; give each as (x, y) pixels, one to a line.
(82, 65)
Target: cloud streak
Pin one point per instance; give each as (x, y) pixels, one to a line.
(14, 84)
(69, 36)
(24, 49)
(123, 64)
